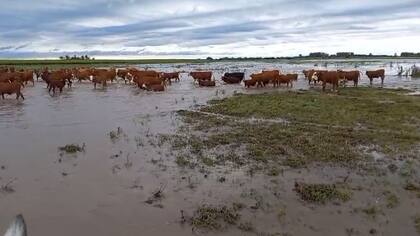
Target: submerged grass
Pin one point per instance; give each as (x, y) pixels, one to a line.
(72, 148)
(321, 193)
(321, 127)
(214, 217)
(370, 108)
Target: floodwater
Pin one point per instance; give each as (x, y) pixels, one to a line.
(102, 191)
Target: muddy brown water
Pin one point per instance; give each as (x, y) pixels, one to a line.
(96, 193)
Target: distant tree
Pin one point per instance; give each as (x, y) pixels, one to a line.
(209, 58)
(61, 58)
(67, 57)
(87, 57)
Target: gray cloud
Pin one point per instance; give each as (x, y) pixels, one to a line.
(206, 27)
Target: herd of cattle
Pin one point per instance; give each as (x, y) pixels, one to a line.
(12, 81)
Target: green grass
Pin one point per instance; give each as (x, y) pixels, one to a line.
(71, 148)
(371, 211)
(321, 193)
(338, 129)
(417, 223)
(214, 217)
(371, 108)
(392, 200)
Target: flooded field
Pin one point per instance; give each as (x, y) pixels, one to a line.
(128, 179)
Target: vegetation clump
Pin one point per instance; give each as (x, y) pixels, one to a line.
(296, 129)
(72, 148)
(392, 200)
(417, 223)
(214, 217)
(321, 193)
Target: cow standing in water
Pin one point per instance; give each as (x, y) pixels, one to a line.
(376, 74)
(11, 88)
(328, 77)
(350, 76)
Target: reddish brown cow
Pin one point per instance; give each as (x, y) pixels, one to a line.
(11, 88)
(82, 74)
(293, 76)
(145, 82)
(139, 75)
(201, 75)
(207, 83)
(55, 80)
(169, 76)
(311, 75)
(156, 88)
(353, 75)
(328, 77)
(376, 74)
(282, 79)
(124, 74)
(250, 82)
(26, 76)
(265, 77)
(8, 77)
(101, 76)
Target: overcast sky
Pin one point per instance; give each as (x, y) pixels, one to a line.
(188, 28)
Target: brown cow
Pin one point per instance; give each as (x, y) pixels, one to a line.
(265, 77)
(207, 83)
(156, 88)
(82, 74)
(26, 76)
(11, 88)
(293, 77)
(169, 76)
(140, 74)
(250, 82)
(148, 81)
(353, 75)
(376, 74)
(101, 76)
(328, 77)
(282, 79)
(201, 75)
(310, 75)
(55, 80)
(8, 77)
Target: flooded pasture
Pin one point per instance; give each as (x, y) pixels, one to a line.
(126, 180)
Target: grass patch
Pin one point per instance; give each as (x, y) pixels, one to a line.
(246, 226)
(322, 127)
(371, 211)
(391, 199)
(183, 161)
(321, 193)
(417, 223)
(214, 217)
(350, 107)
(409, 186)
(71, 148)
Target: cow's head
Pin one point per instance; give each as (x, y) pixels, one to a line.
(315, 76)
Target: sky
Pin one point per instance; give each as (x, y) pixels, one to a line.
(201, 28)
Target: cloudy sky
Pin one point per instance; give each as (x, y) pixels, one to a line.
(199, 28)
